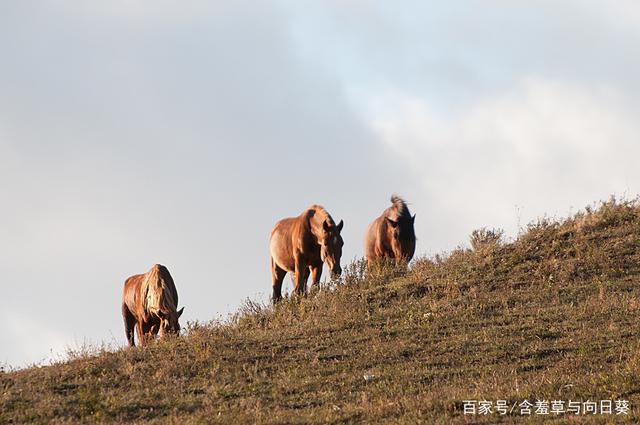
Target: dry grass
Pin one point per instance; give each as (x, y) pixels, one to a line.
(552, 315)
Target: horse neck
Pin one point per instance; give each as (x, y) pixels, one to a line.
(394, 213)
(157, 293)
(315, 226)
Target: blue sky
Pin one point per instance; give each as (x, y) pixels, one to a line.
(135, 132)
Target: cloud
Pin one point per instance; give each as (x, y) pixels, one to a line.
(25, 340)
(541, 147)
(176, 135)
(134, 132)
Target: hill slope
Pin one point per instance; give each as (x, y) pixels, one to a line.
(550, 316)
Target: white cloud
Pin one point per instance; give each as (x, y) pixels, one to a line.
(134, 132)
(541, 147)
(619, 14)
(145, 10)
(175, 134)
(25, 341)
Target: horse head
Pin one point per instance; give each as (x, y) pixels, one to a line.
(331, 246)
(169, 324)
(402, 237)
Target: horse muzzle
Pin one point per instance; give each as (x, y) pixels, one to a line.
(336, 272)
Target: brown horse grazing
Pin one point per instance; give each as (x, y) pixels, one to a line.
(391, 235)
(300, 245)
(149, 303)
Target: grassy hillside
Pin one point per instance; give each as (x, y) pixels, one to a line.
(551, 316)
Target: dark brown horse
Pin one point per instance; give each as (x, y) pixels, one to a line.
(300, 245)
(391, 236)
(149, 303)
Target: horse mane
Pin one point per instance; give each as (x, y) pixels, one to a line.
(400, 207)
(157, 290)
(321, 214)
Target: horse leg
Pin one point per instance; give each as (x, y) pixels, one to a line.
(301, 275)
(141, 336)
(149, 330)
(277, 276)
(129, 324)
(316, 273)
(153, 331)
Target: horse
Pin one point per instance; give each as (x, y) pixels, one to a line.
(391, 235)
(300, 245)
(149, 303)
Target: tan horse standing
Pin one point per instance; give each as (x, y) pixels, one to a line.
(149, 303)
(300, 245)
(391, 236)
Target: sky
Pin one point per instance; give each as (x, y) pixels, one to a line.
(178, 132)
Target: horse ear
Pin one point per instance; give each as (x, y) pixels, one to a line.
(180, 311)
(391, 222)
(413, 219)
(340, 226)
(325, 226)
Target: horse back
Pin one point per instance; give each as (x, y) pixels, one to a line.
(376, 238)
(288, 236)
(131, 294)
